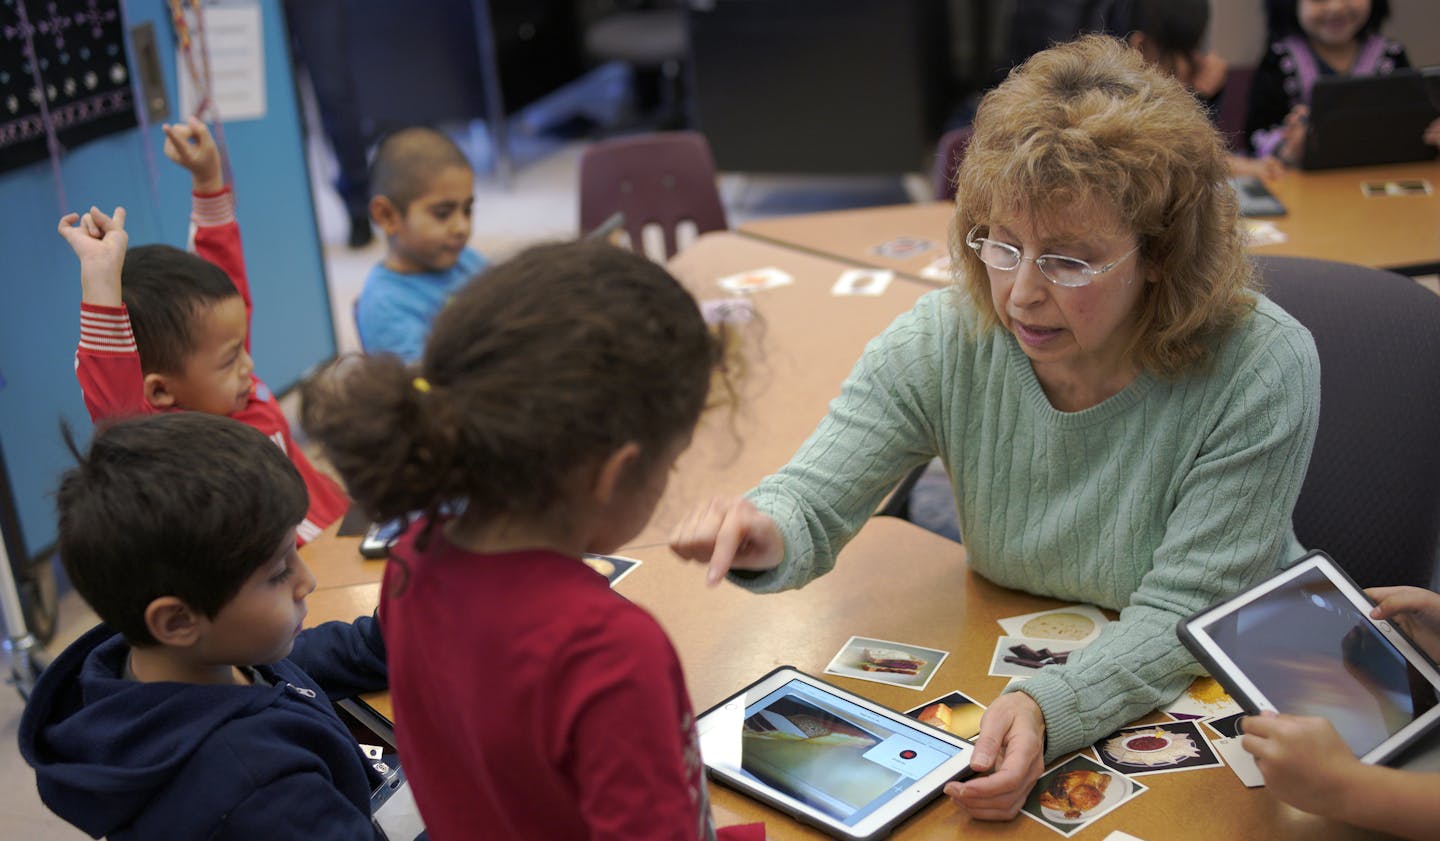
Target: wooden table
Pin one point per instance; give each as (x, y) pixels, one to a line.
(894, 581)
(1328, 218)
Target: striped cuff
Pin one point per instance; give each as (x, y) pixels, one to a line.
(106, 330)
(215, 209)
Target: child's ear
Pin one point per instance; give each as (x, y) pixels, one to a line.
(387, 216)
(157, 391)
(172, 622)
(612, 472)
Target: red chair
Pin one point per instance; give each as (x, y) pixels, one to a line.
(948, 155)
(659, 180)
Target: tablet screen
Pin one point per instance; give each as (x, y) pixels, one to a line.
(1311, 651)
(838, 758)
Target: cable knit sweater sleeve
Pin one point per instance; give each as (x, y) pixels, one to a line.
(1157, 502)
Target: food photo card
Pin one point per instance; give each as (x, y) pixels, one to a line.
(956, 713)
(1079, 624)
(1205, 698)
(1157, 749)
(902, 248)
(862, 282)
(756, 280)
(1073, 794)
(1022, 657)
(613, 567)
(883, 661)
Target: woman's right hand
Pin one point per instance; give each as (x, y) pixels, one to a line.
(1415, 610)
(728, 533)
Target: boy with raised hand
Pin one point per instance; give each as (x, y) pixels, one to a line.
(423, 196)
(199, 708)
(162, 329)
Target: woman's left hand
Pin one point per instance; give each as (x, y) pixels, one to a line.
(1011, 747)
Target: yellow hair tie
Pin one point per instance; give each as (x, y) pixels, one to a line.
(421, 384)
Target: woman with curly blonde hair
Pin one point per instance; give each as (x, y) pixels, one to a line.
(1125, 421)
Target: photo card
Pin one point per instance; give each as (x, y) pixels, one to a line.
(1157, 749)
(1077, 624)
(613, 567)
(955, 713)
(1022, 657)
(902, 248)
(755, 280)
(1204, 698)
(862, 282)
(884, 661)
(1070, 796)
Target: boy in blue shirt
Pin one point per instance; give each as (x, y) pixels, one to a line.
(199, 709)
(423, 195)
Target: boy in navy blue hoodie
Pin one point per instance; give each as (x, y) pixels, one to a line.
(199, 709)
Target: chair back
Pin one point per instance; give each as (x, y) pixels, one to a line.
(948, 155)
(1371, 496)
(656, 180)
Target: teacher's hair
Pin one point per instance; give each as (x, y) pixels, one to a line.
(1090, 125)
(541, 366)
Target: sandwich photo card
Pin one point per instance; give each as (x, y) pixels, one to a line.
(955, 713)
(883, 661)
(1073, 794)
(1158, 749)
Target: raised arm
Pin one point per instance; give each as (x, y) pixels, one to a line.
(107, 361)
(217, 235)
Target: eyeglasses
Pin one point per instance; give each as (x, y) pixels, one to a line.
(1059, 270)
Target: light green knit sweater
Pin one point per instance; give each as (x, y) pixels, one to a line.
(1157, 502)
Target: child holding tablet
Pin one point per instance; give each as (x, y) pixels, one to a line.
(531, 701)
(1308, 765)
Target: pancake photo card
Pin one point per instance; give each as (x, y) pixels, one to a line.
(1075, 793)
(883, 661)
(955, 713)
(613, 567)
(1157, 749)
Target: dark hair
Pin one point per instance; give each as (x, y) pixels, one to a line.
(1173, 28)
(1282, 17)
(407, 159)
(165, 289)
(183, 504)
(545, 363)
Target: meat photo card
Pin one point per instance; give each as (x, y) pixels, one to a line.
(613, 567)
(1158, 749)
(956, 713)
(883, 661)
(1022, 657)
(902, 248)
(755, 280)
(1077, 624)
(862, 282)
(1073, 794)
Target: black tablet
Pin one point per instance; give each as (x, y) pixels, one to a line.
(1303, 643)
(839, 762)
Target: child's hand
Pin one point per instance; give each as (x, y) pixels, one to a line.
(191, 146)
(99, 241)
(1432, 132)
(1294, 143)
(1416, 611)
(1304, 761)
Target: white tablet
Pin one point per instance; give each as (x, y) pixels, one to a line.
(827, 757)
(1303, 643)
